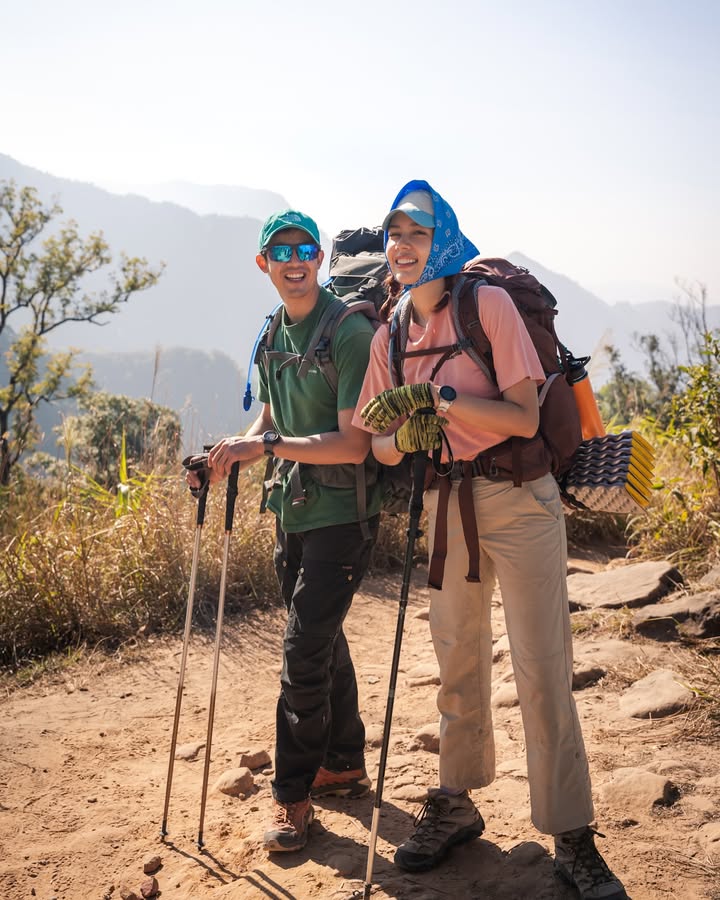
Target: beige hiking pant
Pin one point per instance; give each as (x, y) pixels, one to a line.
(522, 540)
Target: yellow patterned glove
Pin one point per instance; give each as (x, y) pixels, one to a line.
(382, 410)
(421, 432)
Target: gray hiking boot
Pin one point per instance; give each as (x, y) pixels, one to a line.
(579, 863)
(288, 830)
(443, 822)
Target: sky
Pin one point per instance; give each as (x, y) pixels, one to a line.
(583, 133)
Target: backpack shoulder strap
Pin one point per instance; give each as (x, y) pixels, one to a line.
(466, 318)
(471, 337)
(317, 346)
(267, 335)
(399, 329)
(320, 346)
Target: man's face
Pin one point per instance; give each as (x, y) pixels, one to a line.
(294, 279)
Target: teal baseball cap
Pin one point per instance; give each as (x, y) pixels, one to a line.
(288, 218)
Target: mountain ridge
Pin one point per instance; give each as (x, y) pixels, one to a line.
(212, 299)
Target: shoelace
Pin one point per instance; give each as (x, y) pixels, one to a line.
(589, 857)
(432, 810)
(284, 813)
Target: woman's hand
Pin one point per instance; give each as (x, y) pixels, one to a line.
(381, 411)
(423, 431)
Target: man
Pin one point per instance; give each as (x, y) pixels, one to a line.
(323, 536)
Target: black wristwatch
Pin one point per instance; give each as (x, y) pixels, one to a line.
(446, 399)
(270, 438)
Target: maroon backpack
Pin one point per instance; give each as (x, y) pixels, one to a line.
(552, 449)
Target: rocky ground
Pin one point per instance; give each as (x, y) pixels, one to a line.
(83, 760)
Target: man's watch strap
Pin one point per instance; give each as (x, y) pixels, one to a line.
(270, 438)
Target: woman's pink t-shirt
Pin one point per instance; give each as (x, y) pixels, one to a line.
(514, 357)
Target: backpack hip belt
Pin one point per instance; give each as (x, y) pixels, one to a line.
(340, 475)
(503, 462)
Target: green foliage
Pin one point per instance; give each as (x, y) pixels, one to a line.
(129, 490)
(695, 413)
(114, 427)
(625, 396)
(683, 521)
(41, 290)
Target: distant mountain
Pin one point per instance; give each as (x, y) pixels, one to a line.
(204, 315)
(206, 388)
(211, 296)
(217, 199)
(586, 324)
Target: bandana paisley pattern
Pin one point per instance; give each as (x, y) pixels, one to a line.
(451, 249)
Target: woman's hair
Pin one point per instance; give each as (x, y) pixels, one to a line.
(394, 290)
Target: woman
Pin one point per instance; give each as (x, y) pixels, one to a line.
(521, 541)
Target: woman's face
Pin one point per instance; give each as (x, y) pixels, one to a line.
(408, 248)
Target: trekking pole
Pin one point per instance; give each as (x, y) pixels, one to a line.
(415, 508)
(229, 513)
(201, 494)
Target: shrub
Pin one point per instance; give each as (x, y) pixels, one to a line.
(72, 571)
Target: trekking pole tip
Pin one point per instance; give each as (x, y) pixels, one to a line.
(361, 892)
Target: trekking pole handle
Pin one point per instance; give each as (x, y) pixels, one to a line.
(232, 489)
(418, 471)
(197, 463)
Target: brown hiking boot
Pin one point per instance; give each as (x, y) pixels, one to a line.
(443, 822)
(350, 783)
(289, 828)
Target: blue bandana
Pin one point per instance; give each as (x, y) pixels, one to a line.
(451, 249)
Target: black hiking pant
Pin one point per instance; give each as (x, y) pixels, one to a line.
(318, 720)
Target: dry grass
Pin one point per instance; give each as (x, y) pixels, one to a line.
(682, 522)
(72, 573)
(390, 549)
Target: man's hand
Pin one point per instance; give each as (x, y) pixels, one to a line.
(382, 410)
(212, 467)
(422, 431)
(242, 449)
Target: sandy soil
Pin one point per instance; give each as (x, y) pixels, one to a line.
(83, 764)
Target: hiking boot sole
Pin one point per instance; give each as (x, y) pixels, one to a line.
(423, 863)
(563, 875)
(358, 789)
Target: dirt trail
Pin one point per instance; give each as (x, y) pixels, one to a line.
(83, 764)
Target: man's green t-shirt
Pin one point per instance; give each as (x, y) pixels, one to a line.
(303, 406)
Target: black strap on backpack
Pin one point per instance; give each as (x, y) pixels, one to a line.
(318, 353)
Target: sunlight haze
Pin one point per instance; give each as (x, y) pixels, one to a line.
(584, 134)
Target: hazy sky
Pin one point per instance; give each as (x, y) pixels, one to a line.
(584, 133)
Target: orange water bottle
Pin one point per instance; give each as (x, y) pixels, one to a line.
(590, 421)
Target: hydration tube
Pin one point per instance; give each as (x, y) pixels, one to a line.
(248, 398)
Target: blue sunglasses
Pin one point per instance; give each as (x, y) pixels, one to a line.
(282, 253)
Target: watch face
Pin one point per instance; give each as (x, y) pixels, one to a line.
(271, 437)
(447, 393)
